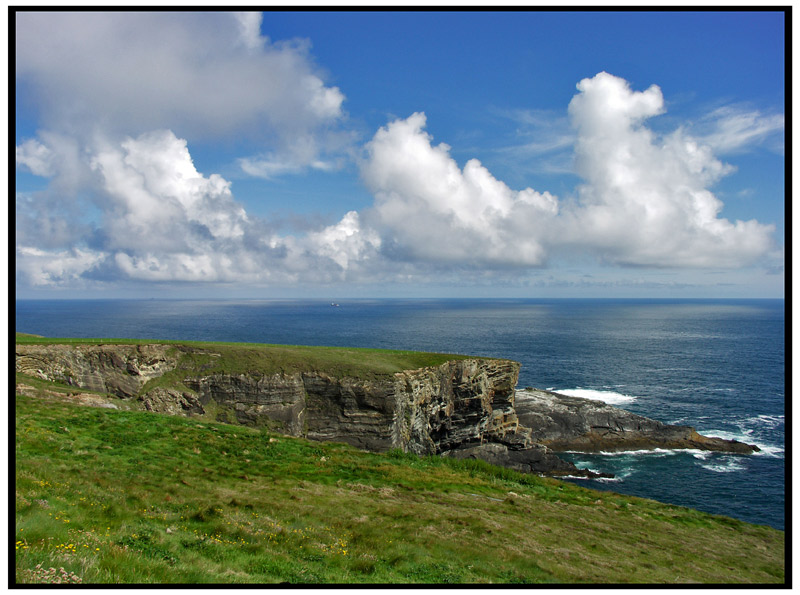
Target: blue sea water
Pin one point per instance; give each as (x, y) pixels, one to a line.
(717, 365)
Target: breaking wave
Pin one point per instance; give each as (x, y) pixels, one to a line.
(727, 466)
(650, 452)
(607, 396)
(750, 432)
(768, 450)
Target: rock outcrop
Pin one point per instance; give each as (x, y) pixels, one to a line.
(462, 408)
(566, 423)
(121, 370)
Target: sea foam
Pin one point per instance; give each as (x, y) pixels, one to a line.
(769, 450)
(607, 396)
(724, 467)
(650, 452)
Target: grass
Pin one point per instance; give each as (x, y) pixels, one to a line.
(127, 497)
(242, 358)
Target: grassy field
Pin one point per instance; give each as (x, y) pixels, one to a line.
(107, 496)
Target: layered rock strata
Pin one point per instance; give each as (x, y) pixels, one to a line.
(463, 408)
(121, 370)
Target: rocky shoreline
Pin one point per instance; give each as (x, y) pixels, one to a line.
(465, 408)
(567, 423)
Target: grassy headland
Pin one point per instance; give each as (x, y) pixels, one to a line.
(235, 358)
(127, 497)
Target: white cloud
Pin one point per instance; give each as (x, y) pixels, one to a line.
(56, 156)
(301, 153)
(54, 267)
(250, 29)
(732, 128)
(35, 157)
(112, 89)
(271, 166)
(204, 75)
(606, 106)
(204, 267)
(428, 209)
(646, 200)
(161, 220)
(158, 197)
(346, 243)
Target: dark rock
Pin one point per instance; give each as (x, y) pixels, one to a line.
(535, 459)
(277, 401)
(566, 423)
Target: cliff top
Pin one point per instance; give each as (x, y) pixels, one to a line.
(237, 358)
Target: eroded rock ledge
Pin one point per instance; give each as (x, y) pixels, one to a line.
(566, 423)
(462, 408)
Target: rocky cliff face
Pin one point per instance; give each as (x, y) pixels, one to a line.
(121, 370)
(462, 408)
(465, 409)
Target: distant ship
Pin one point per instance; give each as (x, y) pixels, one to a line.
(334, 304)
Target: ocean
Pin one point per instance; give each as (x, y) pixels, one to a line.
(717, 365)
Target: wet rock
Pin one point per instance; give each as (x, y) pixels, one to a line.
(566, 423)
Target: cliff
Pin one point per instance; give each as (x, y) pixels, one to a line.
(375, 400)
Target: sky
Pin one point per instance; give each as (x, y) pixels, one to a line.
(399, 154)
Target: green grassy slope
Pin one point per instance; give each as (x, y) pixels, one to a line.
(107, 496)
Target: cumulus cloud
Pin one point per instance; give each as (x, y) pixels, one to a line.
(58, 156)
(204, 75)
(646, 200)
(120, 96)
(54, 267)
(347, 243)
(157, 197)
(134, 206)
(250, 29)
(35, 157)
(428, 209)
(162, 220)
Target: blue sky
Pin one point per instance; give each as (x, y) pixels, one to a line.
(504, 154)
